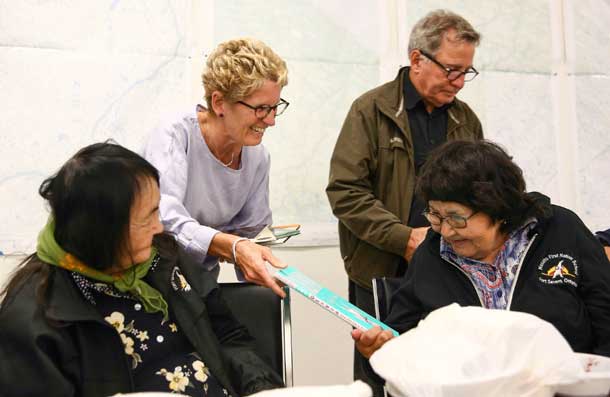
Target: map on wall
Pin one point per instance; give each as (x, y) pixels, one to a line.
(88, 72)
(101, 70)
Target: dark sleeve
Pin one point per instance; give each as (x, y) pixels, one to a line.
(594, 286)
(33, 362)
(249, 373)
(604, 237)
(405, 308)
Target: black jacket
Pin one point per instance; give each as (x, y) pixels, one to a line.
(69, 350)
(578, 304)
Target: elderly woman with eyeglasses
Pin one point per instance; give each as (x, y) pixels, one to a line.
(214, 169)
(494, 245)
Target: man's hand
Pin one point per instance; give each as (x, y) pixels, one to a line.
(370, 341)
(607, 249)
(418, 235)
(251, 259)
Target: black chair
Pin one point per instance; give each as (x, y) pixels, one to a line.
(383, 289)
(267, 318)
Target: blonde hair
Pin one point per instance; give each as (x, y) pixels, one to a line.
(237, 68)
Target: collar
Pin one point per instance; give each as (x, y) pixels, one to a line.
(514, 238)
(131, 280)
(88, 286)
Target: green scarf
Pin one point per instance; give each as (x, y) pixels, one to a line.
(129, 281)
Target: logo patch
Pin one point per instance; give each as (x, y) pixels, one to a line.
(178, 281)
(558, 269)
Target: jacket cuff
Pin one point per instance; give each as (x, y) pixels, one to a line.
(398, 238)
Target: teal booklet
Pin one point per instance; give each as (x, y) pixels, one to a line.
(330, 301)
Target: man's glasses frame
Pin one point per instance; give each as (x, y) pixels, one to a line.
(453, 220)
(452, 74)
(263, 111)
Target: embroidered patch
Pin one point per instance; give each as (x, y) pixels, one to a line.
(178, 281)
(558, 269)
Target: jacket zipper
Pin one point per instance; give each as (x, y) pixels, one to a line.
(512, 289)
(467, 278)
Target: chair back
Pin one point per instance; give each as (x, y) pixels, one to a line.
(383, 289)
(267, 318)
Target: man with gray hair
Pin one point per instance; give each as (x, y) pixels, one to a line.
(385, 139)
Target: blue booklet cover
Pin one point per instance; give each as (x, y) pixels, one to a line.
(330, 301)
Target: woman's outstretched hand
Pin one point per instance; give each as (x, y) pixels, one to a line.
(252, 258)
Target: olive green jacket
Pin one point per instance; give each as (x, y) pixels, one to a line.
(372, 179)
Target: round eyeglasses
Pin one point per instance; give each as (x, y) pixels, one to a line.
(262, 111)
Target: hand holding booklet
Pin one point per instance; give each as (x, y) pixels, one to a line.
(330, 301)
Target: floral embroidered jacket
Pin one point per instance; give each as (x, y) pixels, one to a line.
(71, 350)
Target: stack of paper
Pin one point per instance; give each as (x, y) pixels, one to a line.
(271, 235)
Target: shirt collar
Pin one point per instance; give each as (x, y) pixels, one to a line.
(87, 286)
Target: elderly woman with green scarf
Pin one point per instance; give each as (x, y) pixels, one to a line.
(104, 307)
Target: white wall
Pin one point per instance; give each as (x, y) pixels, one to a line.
(102, 69)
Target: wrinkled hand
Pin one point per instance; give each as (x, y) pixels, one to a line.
(418, 235)
(251, 259)
(368, 342)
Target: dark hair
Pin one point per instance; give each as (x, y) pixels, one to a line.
(91, 198)
(480, 175)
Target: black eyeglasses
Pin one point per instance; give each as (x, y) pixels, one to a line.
(263, 111)
(453, 74)
(453, 220)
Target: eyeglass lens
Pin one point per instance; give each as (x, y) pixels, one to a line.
(264, 110)
(453, 220)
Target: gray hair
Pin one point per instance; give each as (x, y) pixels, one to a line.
(429, 31)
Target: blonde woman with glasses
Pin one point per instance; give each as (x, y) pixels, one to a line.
(214, 169)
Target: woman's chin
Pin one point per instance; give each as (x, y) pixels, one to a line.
(254, 138)
(142, 256)
(461, 248)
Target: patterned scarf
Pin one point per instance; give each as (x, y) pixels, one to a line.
(128, 281)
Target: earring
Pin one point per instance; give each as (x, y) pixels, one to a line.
(221, 115)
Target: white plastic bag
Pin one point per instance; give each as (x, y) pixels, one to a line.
(356, 389)
(470, 351)
(594, 382)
